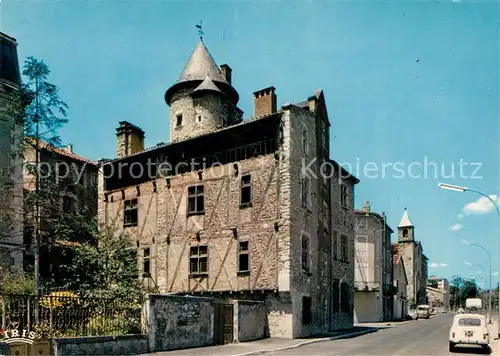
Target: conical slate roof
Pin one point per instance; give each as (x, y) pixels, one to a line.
(207, 85)
(405, 220)
(200, 65)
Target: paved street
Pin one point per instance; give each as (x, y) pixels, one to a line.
(421, 337)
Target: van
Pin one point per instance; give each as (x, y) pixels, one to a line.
(423, 311)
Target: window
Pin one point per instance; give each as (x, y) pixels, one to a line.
(405, 232)
(344, 248)
(344, 297)
(246, 191)
(335, 296)
(306, 310)
(305, 144)
(199, 118)
(68, 204)
(469, 322)
(146, 268)
(306, 193)
(362, 245)
(305, 253)
(130, 213)
(335, 245)
(343, 195)
(178, 120)
(243, 257)
(196, 201)
(198, 260)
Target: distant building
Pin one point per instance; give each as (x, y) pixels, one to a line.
(79, 190)
(438, 291)
(415, 262)
(244, 221)
(11, 201)
(373, 280)
(400, 285)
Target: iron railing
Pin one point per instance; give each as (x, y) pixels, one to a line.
(62, 316)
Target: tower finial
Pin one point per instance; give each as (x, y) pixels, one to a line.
(200, 30)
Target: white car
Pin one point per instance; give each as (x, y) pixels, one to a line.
(469, 329)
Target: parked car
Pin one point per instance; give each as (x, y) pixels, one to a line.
(423, 312)
(469, 329)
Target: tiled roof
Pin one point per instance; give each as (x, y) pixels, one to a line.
(60, 151)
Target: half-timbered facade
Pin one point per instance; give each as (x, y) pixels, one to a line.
(238, 208)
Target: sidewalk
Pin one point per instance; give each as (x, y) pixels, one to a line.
(494, 342)
(264, 346)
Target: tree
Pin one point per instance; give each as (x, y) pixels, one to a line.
(106, 268)
(39, 112)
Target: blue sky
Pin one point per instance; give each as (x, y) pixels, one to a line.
(404, 83)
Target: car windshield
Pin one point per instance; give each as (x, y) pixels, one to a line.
(469, 322)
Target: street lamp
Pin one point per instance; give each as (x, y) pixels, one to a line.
(470, 243)
(476, 265)
(457, 188)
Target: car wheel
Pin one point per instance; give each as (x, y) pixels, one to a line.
(451, 348)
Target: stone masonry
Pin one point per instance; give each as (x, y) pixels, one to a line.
(297, 228)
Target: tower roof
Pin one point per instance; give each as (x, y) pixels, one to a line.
(200, 65)
(405, 220)
(207, 85)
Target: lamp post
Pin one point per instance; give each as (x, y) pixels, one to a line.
(477, 265)
(470, 243)
(460, 189)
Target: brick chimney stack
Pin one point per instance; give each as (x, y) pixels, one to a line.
(226, 72)
(366, 207)
(264, 102)
(130, 139)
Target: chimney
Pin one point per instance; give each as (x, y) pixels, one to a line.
(264, 102)
(130, 139)
(226, 72)
(366, 207)
(69, 148)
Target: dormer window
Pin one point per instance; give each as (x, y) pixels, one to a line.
(178, 120)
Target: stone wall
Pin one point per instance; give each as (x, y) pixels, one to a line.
(178, 322)
(250, 320)
(100, 345)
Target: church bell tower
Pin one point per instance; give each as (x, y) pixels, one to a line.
(406, 230)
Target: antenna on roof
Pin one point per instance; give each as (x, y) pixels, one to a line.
(200, 30)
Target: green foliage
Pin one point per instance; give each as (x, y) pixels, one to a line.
(461, 289)
(107, 269)
(18, 283)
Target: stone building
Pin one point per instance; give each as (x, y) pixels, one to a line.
(75, 188)
(11, 202)
(438, 291)
(400, 306)
(373, 280)
(237, 209)
(414, 260)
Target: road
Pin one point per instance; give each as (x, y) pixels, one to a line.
(420, 337)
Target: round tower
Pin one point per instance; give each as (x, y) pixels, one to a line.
(202, 100)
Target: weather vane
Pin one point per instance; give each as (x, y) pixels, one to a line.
(200, 30)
